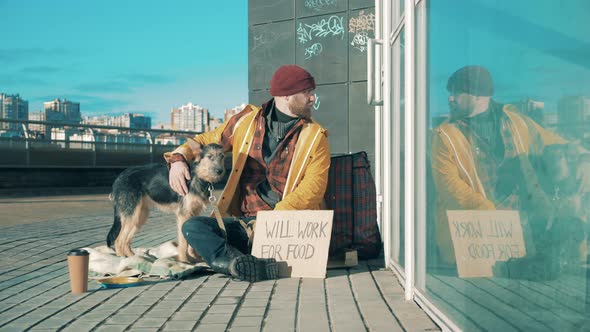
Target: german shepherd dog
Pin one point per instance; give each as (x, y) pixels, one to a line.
(139, 188)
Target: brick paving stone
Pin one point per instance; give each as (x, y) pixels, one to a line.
(394, 296)
(95, 316)
(247, 321)
(251, 311)
(228, 300)
(119, 319)
(211, 327)
(150, 296)
(235, 285)
(51, 323)
(79, 326)
(341, 304)
(262, 286)
(216, 318)
(11, 328)
(134, 309)
(278, 326)
(376, 313)
(24, 322)
(150, 322)
(188, 286)
(222, 308)
(280, 305)
(179, 325)
(248, 302)
(232, 292)
(161, 312)
(312, 313)
(177, 297)
(168, 305)
(164, 286)
(121, 298)
(17, 311)
(217, 280)
(109, 306)
(111, 328)
(34, 284)
(65, 316)
(209, 291)
(12, 300)
(187, 315)
(246, 329)
(258, 295)
(203, 298)
(195, 306)
(280, 315)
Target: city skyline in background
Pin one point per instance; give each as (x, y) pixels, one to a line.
(132, 57)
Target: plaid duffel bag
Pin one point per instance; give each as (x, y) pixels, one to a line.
(351, 194)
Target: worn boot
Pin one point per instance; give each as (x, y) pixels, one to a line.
(245, 267)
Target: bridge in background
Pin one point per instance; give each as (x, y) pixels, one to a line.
(78, 145)
(76, 155)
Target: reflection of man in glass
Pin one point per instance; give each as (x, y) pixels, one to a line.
(469, 148)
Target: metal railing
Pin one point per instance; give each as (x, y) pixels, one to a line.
(73, 145)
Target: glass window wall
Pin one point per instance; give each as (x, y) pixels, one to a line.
(508, 167)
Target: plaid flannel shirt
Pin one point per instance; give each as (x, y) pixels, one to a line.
(257, 171)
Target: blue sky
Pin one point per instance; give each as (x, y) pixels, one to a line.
(533, 49)
(126, 55)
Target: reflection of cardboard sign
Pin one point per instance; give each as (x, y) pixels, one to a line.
(298, 239)
(481, 238)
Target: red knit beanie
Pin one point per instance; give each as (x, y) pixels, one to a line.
(473, 80)
(289, 80)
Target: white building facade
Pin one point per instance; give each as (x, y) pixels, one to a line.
(190, 117)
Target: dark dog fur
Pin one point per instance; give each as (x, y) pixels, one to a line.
(557, 211)
(139, 188)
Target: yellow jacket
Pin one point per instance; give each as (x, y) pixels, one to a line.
(454, 170)
(308, 174)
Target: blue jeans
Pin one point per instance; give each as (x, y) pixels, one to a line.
(203, 234)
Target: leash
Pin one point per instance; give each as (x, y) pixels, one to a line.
(247, 227)
(212, 201)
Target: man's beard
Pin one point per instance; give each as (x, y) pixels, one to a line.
(302, 111)
(457, 112)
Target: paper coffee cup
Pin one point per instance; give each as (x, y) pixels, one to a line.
(78, 268)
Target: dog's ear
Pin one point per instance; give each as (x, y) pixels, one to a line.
(195, 147)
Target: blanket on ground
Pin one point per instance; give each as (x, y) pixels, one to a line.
(147, 262)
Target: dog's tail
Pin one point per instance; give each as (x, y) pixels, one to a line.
(115, 229)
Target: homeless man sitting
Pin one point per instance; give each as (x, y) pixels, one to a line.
(280, 162)
(486, 146)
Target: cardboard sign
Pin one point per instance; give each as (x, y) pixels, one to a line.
(483, 237)
(298, 240)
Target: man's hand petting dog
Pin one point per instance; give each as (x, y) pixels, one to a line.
(179, 174)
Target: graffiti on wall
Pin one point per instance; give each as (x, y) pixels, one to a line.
(318, 5)
(264, 44)
(313, 50)
(316, 105)
(360, 26)
(333, 26)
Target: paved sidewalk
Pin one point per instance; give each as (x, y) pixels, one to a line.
(34, 290)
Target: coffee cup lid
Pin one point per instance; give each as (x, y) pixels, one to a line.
(78, 252)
